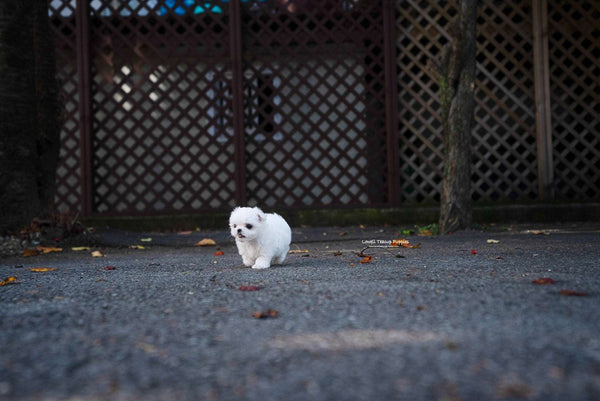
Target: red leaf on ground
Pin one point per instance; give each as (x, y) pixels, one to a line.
(249, 288)
(218, 253)
(473, 252)
(544, 281)
(110, 268)
(367, 259)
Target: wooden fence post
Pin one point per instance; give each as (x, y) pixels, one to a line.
(542, 99)
(391, 103)
(85, 103)
(235, 43)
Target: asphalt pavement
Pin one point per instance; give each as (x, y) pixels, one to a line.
(500, 314)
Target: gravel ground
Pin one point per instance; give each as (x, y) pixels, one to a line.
(457, 318)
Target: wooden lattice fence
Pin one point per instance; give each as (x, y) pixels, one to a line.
(179, 106)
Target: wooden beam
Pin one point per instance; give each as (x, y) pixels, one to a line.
(235, 43)
(543, 122)
(391, 102)
(84, 73)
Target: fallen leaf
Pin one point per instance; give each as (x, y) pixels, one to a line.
(48, 249)
(97, 254)
(538, 232)
(342, 233)
(206, 242)
(269, 313)
(110, 268)
(493, 241)
(569, 293)
(184, 232)
(42, 269)
(544, 281)
(31, 252)
(146, 239)
(404, 243)
(147, 348)
(218, 253)
(298, 251)
(80, 248)
(431, 229)
(8, 280)
(366, 259)
(473, 252)
(249, 288)
(337, 253)
(137, 247)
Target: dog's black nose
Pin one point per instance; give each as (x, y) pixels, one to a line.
(239, 230)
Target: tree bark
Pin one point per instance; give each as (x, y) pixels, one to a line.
(457, 82)
(30, 114)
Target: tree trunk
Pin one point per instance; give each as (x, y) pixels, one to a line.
(457, 82)
(30, 115)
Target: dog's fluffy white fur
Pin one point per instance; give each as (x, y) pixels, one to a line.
(262, 238)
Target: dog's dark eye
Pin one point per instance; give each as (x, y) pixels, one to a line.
(249, 226)
(235, 225)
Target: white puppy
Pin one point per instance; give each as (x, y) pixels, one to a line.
(261, 238)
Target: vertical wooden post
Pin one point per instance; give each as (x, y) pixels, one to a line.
(85, 103)
(391, 102)
(235, 44)
(542, 99)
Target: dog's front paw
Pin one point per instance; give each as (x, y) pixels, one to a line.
(261, 263)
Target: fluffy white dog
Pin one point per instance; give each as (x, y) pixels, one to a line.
(261, 238)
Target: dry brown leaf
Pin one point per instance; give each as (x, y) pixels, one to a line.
(569, 293)
(269, 313)
(30, 252)
(48, 249)
(42, 269)
(97, 254)
(298, 251)
(9, 280)
(80, 248)
(404, 243)
(206, 242)
(544, 281)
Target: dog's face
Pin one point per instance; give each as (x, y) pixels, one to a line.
(245, 223)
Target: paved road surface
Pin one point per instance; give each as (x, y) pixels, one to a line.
(456, 319)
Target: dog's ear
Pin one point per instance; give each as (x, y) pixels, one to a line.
(261, 218)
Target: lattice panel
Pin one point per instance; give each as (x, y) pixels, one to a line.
(574, 43)
(504, 136)
(314, 103)
(504, 149)
(162, 119)
(62, 21)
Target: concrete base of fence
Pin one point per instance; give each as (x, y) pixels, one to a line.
(408, 215)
